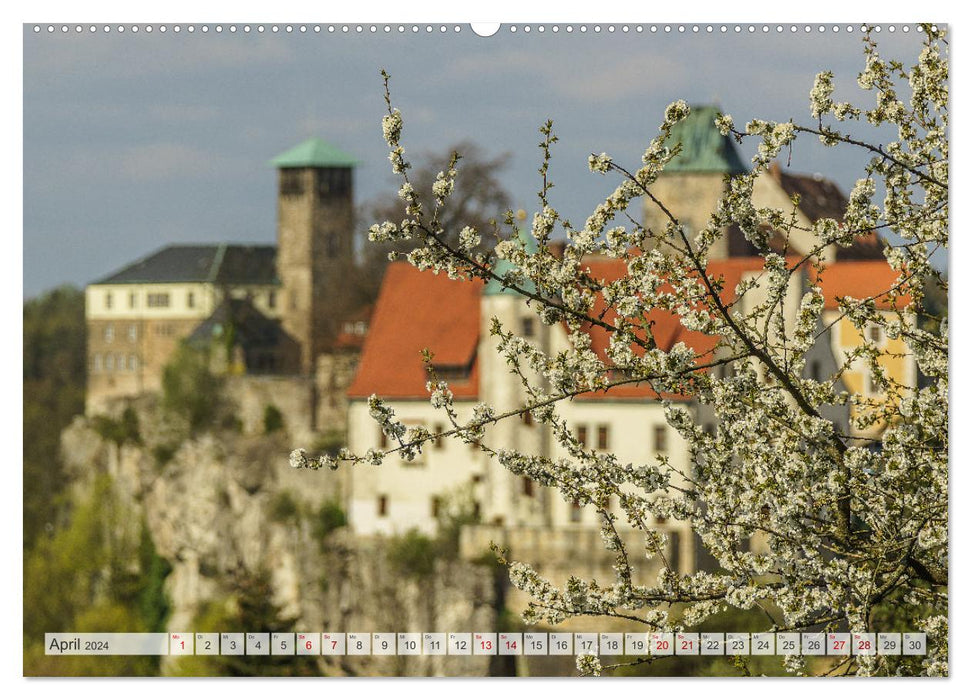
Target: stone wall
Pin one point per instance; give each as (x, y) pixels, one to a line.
(334, 373)
(291, 395)
(560, 552)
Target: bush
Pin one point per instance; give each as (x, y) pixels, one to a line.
(190, 389)
(330, 442)
(119, 430)
(163, 454)
(413, 554)
(284, 508)
(329, 518)
(272, 419)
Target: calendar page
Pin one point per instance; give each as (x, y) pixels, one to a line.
(382, 349)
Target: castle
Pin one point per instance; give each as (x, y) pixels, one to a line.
(282, 312)
(277, 310)
(418, 310)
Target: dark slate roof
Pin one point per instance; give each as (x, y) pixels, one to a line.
(821, 198)
(251, 329)
(703, 148)
(220, 264)
(818, 197)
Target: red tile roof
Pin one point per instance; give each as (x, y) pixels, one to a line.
(860, 279)
(665, 326)
(418, 310)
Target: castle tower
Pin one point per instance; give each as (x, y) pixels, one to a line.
(315, 238)
(508, 499)
(692, 183)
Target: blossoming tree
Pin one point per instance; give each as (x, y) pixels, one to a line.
(852, 531)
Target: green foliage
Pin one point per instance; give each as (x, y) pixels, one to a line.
(99, 617)
(413, 554)
(120, 431)
(272, 419)
(456, 511)
(144, 590)
(284, 508)
(163, 454)
(93, 574)
(330, 442)
(330, 517)
(190, 389)
(54, 380)
(250, 607)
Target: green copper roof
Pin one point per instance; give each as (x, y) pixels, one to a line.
(494, 287)
(703, 149)
(314, 153)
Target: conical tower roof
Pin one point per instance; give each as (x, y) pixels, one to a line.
(703, 148)
(314, 153)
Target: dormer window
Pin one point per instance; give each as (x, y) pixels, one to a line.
(453, 373)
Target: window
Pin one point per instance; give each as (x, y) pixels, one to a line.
(527, 486)
(603, 437)
(527, 418)
(164, 329)
(132, 300)
(109, 333)
(660, 439)
(109, 362)
(133, 332)
(132, 363)
(158, 300)
(382, 505)
(453, 373)
(874, 334)
(97, 362)
(527, 328)
(291, 181)
(582, 435)
(190, 300)
(576, 512)
(382, 439)
(332, 246)
(815, 370)
(439, 442)
(333, 181)
(436, 506)
(107, 300)
(873, 387)
(271, 299)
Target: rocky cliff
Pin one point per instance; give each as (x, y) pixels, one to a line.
(225, 504)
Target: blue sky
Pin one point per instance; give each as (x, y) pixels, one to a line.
(133, 141)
